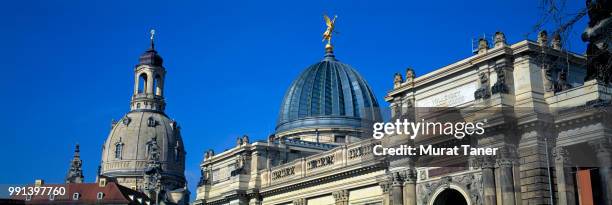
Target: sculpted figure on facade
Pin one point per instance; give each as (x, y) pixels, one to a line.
(397, 80)
(500, 86)
(483, 91)
(410, 75)
(599, 38)
(203, 177)
(245, 139)
(556, 41)
(210, 153)
(562, 83)
(543, 38)
(238, 141)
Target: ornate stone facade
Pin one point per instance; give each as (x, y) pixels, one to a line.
(535, 130)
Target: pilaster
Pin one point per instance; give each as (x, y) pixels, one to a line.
(299, 201)
(604, 152)
(410, 178)
(565, 180)
(341, 197)
(488, 180)
(385, 185)
(396, 189)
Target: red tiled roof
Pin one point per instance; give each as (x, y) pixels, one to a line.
(113, 193)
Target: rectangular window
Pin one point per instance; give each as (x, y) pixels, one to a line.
(340, 139)
(215, 175)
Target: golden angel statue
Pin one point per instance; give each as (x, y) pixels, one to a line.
(327, 35)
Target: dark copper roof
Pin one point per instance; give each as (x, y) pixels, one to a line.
(151, 57)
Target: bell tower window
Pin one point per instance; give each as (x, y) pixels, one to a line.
(157, 84)
(142, 83)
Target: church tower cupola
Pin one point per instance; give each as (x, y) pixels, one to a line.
(149, 81)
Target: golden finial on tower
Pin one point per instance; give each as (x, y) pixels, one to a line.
(327, 35)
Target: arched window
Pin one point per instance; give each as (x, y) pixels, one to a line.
(157, 84)
(151, 122)
(142, 83)
(118, 150)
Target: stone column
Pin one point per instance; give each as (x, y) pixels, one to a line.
(603, 151)
(410, 187)
(243, 199)
(341, 197)
(149, 89)
(396, 189)
(386, 188)
(488, 181)
(506, 180)
(565, 180)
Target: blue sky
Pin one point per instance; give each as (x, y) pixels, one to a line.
(67, 66)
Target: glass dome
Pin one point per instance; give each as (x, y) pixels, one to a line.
(328, 94)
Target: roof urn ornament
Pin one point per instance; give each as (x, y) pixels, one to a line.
(483, 45)
(500, 39)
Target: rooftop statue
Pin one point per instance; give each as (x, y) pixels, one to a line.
(327, 35)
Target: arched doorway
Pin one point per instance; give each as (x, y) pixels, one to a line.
(450, 196)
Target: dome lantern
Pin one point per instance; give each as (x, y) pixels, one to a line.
(149, 81)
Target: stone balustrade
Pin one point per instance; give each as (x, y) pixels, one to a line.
(334, 159)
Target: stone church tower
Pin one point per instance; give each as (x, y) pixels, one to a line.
(144, 150)
(75, 172)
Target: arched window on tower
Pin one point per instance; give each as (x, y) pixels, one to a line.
(142, 83)
(157, 84)
(118, 150)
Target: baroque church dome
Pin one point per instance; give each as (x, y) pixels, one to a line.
(327, 95)
(126, 150)
(145, 146)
